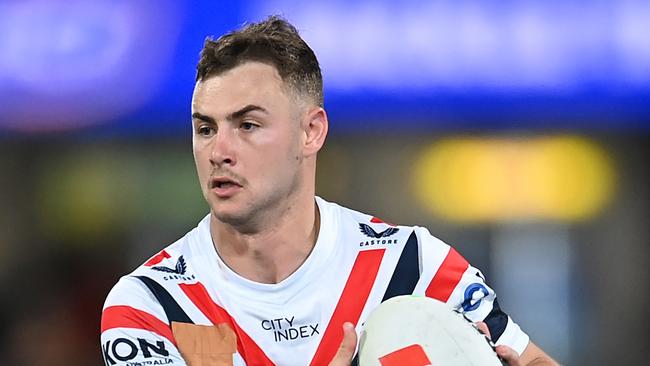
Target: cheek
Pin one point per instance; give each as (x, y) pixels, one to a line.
(202, 162)
(281, 156)
(272, 163)
(275, 156)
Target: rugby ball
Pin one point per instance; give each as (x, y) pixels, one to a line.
(420, 331)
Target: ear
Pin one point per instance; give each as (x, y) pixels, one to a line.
(315, 126)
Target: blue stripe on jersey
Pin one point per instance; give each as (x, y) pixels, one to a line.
(172, 309)
(407, 271)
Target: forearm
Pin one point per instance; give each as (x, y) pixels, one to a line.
(535, 356)
(542, 361)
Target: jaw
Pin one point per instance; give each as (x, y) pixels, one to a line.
(247, 215)
(258, 208)
(237, 222)
(238, 212)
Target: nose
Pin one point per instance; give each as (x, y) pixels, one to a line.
(222, 149)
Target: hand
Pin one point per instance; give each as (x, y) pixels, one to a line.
(344, 355)
(507, 354)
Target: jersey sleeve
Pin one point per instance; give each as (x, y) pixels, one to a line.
(135, 329)
(448, 277)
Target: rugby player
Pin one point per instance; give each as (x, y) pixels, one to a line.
(275, 275)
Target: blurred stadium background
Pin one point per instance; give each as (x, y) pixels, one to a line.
(515, 130)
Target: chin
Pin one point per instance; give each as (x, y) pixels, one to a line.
(232, 217)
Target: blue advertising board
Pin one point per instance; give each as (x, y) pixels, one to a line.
(127, 67)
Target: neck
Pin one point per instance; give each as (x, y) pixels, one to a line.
(275, 251)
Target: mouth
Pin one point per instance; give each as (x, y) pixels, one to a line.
(224, 186)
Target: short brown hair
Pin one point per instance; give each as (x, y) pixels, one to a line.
(274, 41)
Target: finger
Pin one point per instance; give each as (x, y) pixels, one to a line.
(345, 353)
(509, 355)
(484, 329)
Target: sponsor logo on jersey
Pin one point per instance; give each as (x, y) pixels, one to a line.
(283, 329)
(178, 272)
(472, 297)
(370, 232)
(125, 350)
(377, 238)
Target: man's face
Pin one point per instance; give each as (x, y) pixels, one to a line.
(247, 143)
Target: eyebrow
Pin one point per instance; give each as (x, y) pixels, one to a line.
(234, 115)
(202, 117)
(242, 112)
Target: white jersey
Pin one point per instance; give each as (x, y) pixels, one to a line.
(358, 262)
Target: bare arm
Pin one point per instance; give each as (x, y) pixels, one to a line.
(532, 356)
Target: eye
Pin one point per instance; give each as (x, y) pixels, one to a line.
(248, 126)
(205, 130)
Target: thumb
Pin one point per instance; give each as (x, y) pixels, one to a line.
(509, 355)
(345, 353)
(483, 328)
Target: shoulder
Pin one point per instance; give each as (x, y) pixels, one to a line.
(177, 258)
(129, 291)
(138, 311)
(174, 261)
(372, 232)
(131, 305)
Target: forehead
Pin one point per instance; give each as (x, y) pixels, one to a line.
(249, 83)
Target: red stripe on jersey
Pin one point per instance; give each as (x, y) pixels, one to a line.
(377, 220)
(246, 346)
(127, 317)
(157, 258)
(449, 274)
(351, 303)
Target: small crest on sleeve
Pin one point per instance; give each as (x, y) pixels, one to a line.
(177, 271)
